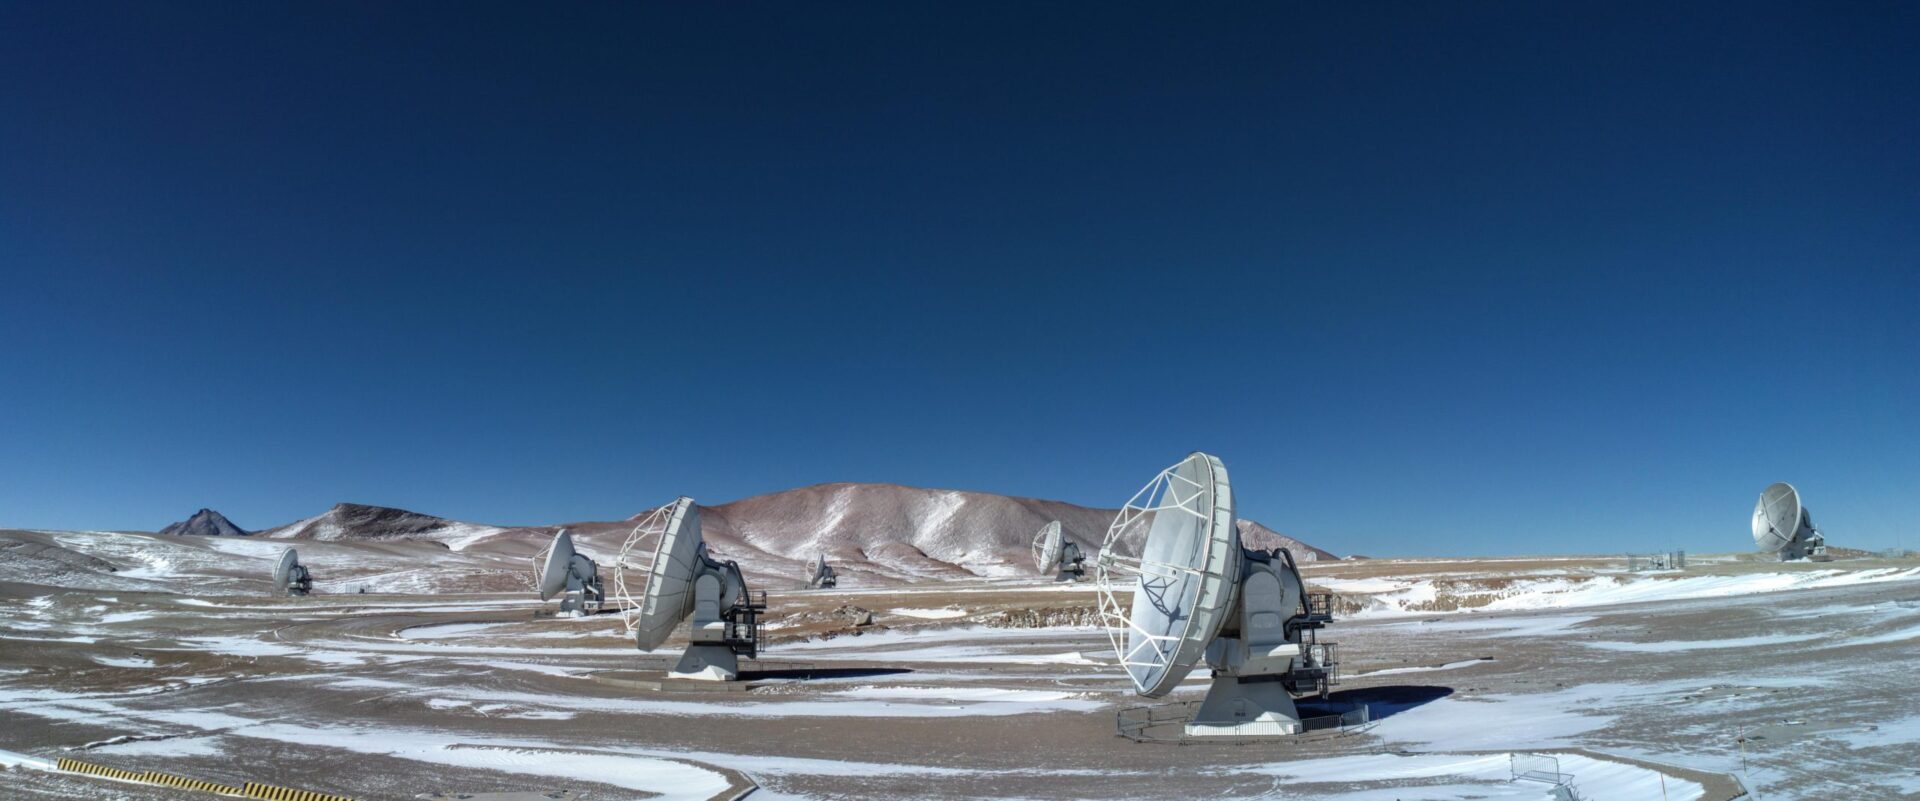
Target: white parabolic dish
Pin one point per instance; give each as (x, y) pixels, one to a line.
(553, 569)
(1776, 517)
(1047, 547)
(1186, 576)
(668, 596)
(283, 571)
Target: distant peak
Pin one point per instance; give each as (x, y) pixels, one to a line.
(205, 523)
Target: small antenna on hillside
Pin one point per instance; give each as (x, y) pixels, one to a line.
(822, 576)
(291, 577)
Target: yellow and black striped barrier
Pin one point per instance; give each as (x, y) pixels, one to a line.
(265, 792)
(76, 766)
(170, 780)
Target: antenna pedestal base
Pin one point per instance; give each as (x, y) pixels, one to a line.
(707, 663)
(1238, 708)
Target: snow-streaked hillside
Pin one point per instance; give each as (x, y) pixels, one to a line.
(353, 521)
(891, 532)
(871, 533)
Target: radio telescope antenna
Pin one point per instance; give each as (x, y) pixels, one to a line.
(680, 579)
(1782, 525)
(291, 577)
(560, 570)
(823, 576)
(1054, 553)
(1195, 591)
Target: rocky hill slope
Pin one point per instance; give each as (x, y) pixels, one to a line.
(870, 533)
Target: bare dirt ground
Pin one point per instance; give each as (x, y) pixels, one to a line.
(1797, 679)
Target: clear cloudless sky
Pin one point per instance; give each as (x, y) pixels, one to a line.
(1431, 278)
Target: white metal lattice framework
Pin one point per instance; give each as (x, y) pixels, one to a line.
(636, 560)
(540, 564)
(1149, 655)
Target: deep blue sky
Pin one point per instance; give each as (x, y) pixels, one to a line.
(1445, 278)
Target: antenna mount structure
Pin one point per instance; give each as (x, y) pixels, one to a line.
(561, 570)
(1054, 553)
(1782, 525)
(1195, 592)
(291, 577)
(822, 576)
(665, 575)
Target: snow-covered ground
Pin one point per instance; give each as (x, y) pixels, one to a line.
(1427, 595)
(475, 693)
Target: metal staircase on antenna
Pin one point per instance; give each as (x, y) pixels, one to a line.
(1196, 592)
(560, 570)
(1782, 525)
(1054, 553)
(679, 579)
(291, 577)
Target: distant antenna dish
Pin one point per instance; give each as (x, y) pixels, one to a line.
(1782, 525)
(1054, 553)
(560, 570)
(291, 577)
(823, 576)
(1195, 591)
(678, 579)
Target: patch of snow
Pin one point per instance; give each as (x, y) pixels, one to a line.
(461, 536)
(1367, 585)
(1672, 646)
(931, 614)
(1469, 776)
(1532, 720)
(1421, 668)
(669, 779)
(708, 673)
(1574, 591)
(14, 759)
(124, 661)
(167, 747)
(968, 694)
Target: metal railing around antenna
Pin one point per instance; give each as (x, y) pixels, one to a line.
(744, 626)
(1319, 607)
